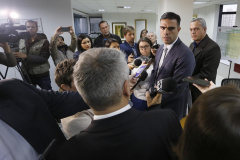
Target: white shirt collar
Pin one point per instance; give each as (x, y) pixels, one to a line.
(97, 117)
(170, 45)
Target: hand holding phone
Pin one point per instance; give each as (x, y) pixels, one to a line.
(197, 81)
(65, 29)
(140, 70)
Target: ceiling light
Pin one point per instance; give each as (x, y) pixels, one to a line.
(146, 10)
(126, 7)
(199, 2)
(13, 15)
(101, 10)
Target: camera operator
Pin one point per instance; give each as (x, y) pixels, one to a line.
(34, 53)
(8, 58)
(59, 50)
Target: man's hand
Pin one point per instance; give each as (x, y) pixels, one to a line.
(71, 30)
(130, 58)
(205, 89)
(58, 31)
(153, 101)
(130, 66)
(5, 47)
(19, 55)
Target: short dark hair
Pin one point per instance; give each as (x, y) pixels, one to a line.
(102, 22)
(128, 29)
(110, 41)
(145, 39)
(64, 72)
(212, 128)
(61, 37)
(31, 21)
(171, 16)
(79, 41)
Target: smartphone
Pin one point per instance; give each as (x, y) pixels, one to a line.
(197, 81)
(65, 29)
(140, 70)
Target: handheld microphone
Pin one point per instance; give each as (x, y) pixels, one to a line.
(143, 76)
(136, 63)
(164, 86)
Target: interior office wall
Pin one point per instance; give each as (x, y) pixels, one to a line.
(210, 14)
(130, 19)
(53, 13)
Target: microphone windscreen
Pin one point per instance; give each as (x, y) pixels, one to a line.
(137, 62)
(169, 84)
(143, 76)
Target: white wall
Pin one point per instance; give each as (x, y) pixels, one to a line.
(210, 14)
(53, 13)
(130, 19)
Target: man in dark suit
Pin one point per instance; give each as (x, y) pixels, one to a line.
(207, 54)
(27, 117)
(117, 131)
(173, 59)
(101, 39)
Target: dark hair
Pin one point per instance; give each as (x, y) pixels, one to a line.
(79, 42)
(110, 41)
(64, 72)
(212, 128)
(31, 21)
(142, 32)
(171, 16)
(61, 37)
(127, 29)
(102, 22)
(145, 39)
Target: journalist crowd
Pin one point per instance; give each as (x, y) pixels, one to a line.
(118, 100)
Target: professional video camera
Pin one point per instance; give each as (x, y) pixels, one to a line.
(9, 33)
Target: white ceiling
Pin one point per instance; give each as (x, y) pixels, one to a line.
(91, 7)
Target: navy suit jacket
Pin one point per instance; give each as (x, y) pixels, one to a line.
(32, 112)
(132, 134)
(179, 63)
(127, 49)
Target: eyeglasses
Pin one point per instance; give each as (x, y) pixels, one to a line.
(86, 42)
(144, 47)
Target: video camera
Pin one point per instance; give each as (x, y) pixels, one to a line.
(9, 33)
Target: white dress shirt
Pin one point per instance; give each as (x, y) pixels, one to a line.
(164, 56)
(97, 117)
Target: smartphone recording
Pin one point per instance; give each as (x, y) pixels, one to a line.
(65, 29)
(197, 81)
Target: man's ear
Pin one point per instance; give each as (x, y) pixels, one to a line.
(179, 28)
(126, 89)
(65, 87)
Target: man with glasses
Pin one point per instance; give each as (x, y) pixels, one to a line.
(101, 39)
(173, 59)
(34, 53)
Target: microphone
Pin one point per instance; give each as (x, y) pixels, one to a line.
(164, 86)
(143, 76)
(136, 63)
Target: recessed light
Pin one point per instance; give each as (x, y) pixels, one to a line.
(126, 7)
(199, 2)
(146, 10)
(101, 10)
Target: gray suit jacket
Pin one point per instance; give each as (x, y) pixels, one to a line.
(179, 63)
(207, 56)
